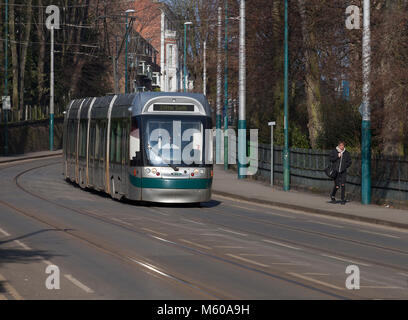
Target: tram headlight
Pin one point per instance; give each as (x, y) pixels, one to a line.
(154, 170)
(196, 171)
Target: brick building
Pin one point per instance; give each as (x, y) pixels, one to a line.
(156, 23)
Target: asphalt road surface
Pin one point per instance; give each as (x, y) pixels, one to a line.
(224, 249)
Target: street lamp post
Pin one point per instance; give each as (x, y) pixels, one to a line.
(185, 55)
(286, 163)
(126, 49)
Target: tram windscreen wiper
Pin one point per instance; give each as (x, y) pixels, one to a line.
(175, 168)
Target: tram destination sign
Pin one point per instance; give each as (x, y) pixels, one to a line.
(174, 107)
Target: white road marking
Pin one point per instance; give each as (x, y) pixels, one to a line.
(195, 244)
(403, 274)
(380, 234)
(4, 233)
(164, 240)
(345, 260)
(159, 233)
(192, 221)
(326, 224)
(329, 285)
(10, 289)
(212, 234)
(247, 260)
(121, 221)
(150, 267)
(78, 283)
(24, 246)
(234, 232)
(280, 244)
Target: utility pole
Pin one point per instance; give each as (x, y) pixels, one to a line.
(5, 79)
(366, 117)
(226, 90)
(205, 69)
(218, 117)
(242, 94)
(52, 92)
(286, 162)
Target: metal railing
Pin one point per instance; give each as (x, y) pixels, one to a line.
(389, 174)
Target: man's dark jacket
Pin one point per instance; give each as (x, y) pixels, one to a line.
(338, 164)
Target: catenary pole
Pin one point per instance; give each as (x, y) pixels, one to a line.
(219, 68)
(286, 155)
(366, 118)
(242, 94)
(6, 78)
(52, 92)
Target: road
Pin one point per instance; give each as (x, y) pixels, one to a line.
(224, 249)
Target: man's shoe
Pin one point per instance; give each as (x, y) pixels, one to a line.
(333, 200)
(343, 202)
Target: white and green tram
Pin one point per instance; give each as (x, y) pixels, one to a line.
(150, 146)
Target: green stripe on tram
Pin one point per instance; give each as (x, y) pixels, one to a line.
(158, 183)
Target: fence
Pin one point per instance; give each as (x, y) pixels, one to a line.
(29, 113)
(389, 174)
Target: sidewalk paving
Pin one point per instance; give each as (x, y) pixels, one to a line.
(31, 155)
(226, 184)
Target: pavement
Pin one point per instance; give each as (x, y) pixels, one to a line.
(226, 184)
(28, 156)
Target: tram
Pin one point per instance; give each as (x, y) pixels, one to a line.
(149, 146)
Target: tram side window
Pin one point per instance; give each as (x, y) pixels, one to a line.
(91, 140)
(112, 141)
(135, 154)
(82, 139)
(118, 142)
(125, 135)
(72, 137)
(103, 141)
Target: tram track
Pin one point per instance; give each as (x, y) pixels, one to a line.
(303, 245)
(213, 293)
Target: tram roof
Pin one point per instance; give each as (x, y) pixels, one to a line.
(137, 101)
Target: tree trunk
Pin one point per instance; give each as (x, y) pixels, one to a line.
(23, 57)
(14, 54)
(312, 80)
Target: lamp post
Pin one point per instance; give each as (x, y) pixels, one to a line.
(126, 49)
(185, 55)
(286, 163)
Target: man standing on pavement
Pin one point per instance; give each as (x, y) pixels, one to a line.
(341, 161)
